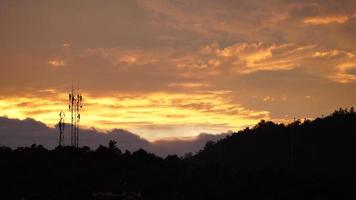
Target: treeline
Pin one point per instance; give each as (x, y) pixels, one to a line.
(324, 144)
(302, 160)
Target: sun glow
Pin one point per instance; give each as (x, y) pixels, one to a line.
(153, 115)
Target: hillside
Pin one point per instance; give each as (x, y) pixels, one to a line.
(324, 144)
(309, 160)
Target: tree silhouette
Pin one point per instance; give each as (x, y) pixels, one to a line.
(310, 159)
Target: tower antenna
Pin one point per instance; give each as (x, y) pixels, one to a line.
(75, 106)
(61, 125)
(71, 109)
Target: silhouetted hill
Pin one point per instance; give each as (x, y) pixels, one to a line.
(303, 160)
(324, 144)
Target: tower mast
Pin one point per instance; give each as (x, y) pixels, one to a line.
(71, 109)
(75, 105)
(61, 125)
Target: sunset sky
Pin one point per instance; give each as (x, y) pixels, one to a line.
(177, 68)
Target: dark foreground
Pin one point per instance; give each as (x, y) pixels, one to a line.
(309, 160)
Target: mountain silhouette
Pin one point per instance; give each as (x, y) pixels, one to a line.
(324, 144)
(302, 160)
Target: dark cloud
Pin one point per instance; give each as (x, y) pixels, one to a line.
(180, 146)
(17, 133)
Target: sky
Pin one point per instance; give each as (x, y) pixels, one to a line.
(168, 69)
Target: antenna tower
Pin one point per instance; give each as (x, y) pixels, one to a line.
(61, 125)
(75, 106)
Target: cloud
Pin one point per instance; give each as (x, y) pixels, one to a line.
(333, 53)
(182, 146)
(190, 85)
(183, 66)
(345, 72)
(243, 58)
(18, 133)
(66, 45)
(268, 99)
(204, 111)
(337, 64)
(326, 20)
(56, 63)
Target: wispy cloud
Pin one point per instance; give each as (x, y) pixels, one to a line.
(190, 85)
(345, 72)
(57, 63)
(332, 53)
(323, 20)
(179, 67)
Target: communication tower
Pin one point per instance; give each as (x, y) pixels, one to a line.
(61, 125)
(75, 106)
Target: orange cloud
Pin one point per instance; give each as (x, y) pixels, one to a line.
(342, 74)
(152, 115)
(56, 63)
(66, 45)
(190, 85)
(268, 99)
(332, 53)
(337, 65)
(326, 20)
(245, 58)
